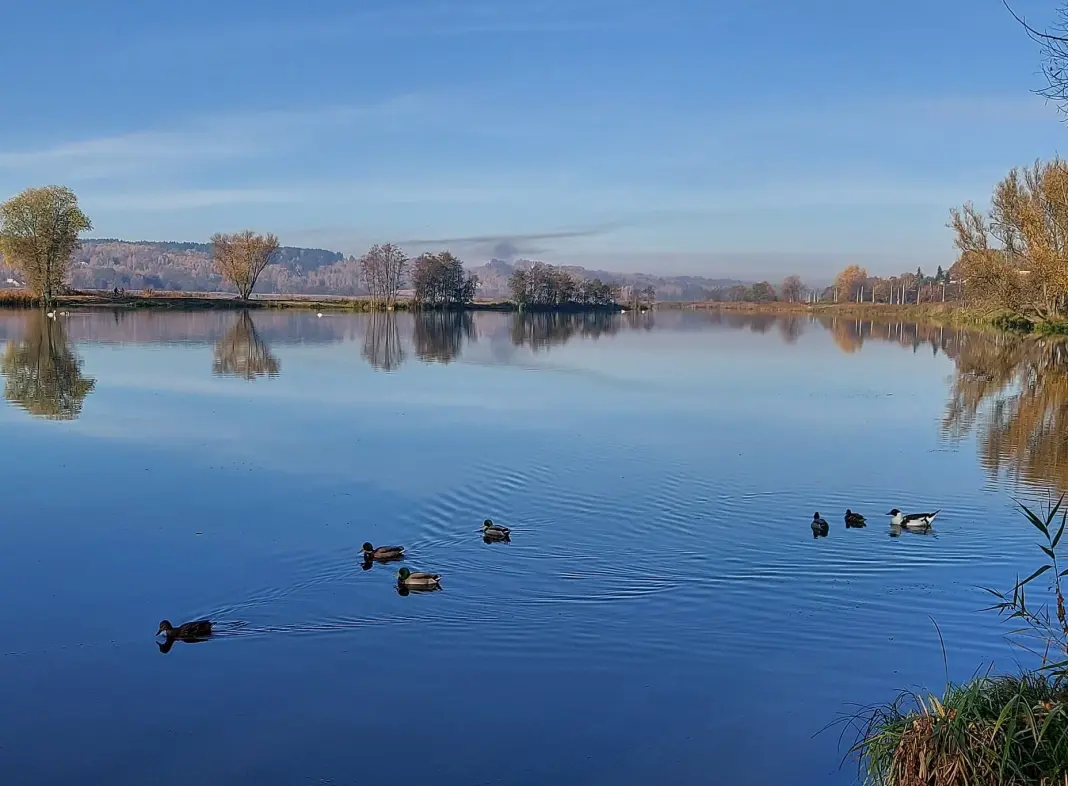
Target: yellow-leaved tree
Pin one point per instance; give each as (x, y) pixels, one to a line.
(1015, 257)
(39, 231)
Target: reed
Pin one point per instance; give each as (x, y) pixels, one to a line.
(1005, 730)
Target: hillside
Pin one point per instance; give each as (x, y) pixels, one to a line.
(186, 267)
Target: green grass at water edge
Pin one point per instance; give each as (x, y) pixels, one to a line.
(993, 730)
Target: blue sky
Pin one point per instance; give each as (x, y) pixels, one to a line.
(684, 136)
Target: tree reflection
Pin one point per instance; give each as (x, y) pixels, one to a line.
(242, 353)
(848, 334)
(43, 375)
(541, 330)
(1013, 392)
(791, 328)
(439, 336)
(381, 344)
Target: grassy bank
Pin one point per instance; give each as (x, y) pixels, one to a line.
(1004, 730)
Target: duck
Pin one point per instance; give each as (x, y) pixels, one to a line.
(382, 553)
(201, 629)
(853, 519)
(819, 524)
(911, 520)
(418, 580)
(491, 531)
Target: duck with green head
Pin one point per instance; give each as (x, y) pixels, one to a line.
(382, 553)
(491, 531)
(418, 580)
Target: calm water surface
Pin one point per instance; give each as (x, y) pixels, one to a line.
(662, 614)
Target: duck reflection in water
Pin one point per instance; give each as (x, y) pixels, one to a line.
(895, 531)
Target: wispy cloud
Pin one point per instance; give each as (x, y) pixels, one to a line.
(510, 246)
(202, 140)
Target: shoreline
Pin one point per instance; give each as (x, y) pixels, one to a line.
(225, 301)
(939, 313)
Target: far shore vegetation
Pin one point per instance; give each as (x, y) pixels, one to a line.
(1011, 271)
(39, 231)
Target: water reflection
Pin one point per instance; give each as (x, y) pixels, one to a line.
(439, 336)
(242, 353)
(540, 331)
(382, 346)
(42, 373)
(165, 646)
(1013, 393)
(791, 328)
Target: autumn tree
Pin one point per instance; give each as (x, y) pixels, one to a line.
(241, 257)
(849, 281)
(383, 269)
(1016, 256)
(39, 231)
(792, 289)
(439, 280)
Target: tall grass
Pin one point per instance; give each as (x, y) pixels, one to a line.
(17, 298)
(992, 730)
(1006, 730)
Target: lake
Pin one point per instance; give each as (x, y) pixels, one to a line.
(662, 613)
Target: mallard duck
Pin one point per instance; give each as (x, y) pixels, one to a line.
(911, 520)
(382, 553)
(201, 629)
(418, 580)
(853, 519)
(819, 524)
(491, 531)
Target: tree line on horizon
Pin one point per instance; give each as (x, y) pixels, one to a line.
(851, 284)
(1013, 258)
(40, 228)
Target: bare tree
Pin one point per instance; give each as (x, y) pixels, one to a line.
(241, 257)
(1054, 45)
(792, 289)
(39, 231)
(382, 269)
